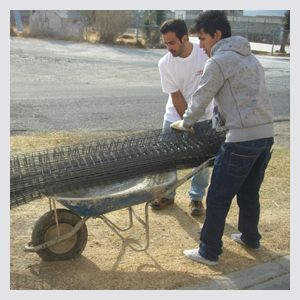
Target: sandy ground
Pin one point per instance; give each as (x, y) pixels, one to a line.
(107, 263)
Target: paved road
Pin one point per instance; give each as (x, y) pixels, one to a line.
(67, 86)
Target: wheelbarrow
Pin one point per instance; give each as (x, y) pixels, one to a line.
(61, 234)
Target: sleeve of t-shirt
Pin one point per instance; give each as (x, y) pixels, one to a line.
(167, 82)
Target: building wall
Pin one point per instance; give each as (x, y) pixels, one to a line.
(172, 15)
(73, 28)
(48, 23)
(256, 24)
(258, 28)
(235, 13)
(45, 23)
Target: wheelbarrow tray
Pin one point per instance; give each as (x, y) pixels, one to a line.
(96, 201)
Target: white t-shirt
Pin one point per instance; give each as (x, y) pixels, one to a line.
(182, 74)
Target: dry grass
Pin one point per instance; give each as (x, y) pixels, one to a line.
(37, 141)
(92, 37)
(108, 264)
(12, 31)
(128, 40)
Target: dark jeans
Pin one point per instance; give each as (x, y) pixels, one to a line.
(239, 170)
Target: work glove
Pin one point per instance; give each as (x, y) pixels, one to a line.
(179, 126)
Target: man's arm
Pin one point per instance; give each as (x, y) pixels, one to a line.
(168, 86)
(179, 103)
(211, 82)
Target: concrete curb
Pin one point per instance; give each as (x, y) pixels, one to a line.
(273, 57)
(274, 275)
(279, 283)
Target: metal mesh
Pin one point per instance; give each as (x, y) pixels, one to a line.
(109, 161)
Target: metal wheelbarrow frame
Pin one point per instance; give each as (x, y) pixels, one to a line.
(61, 234)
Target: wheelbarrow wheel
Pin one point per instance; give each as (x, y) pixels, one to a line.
(45, 229)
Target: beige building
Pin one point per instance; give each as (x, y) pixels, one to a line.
(57, 23)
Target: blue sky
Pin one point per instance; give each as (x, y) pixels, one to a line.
(264, 12)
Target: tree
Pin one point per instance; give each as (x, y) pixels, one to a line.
(147, 29)
(286, 32)
(84, 13)
(90, 16)
(111, 24)
(159, 16)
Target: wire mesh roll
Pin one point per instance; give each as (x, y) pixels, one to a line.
(106, 161)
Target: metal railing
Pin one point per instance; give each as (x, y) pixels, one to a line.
(274, 37)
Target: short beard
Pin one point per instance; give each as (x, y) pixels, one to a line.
(177, 53)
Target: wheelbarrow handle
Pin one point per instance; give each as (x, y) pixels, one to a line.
(206, 164)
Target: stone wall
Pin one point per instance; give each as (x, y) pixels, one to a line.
(256, 29)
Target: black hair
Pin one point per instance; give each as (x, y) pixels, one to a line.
(210, 21)
(178, 26)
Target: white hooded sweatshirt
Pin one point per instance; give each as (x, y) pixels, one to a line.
(235, 79)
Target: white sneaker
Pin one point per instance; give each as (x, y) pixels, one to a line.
(237, 238)
(194, 255)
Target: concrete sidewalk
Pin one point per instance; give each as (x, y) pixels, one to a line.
(274, 275)
(267, 47)
(254, 46)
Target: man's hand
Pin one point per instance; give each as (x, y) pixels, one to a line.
(179, 126)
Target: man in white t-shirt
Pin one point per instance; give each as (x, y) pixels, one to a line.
(180, 70)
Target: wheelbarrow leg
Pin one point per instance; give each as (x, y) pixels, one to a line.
(130, 210)
(145, 223)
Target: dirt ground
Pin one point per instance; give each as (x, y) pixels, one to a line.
(107, 263)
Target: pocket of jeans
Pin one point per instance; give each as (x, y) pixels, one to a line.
(224, 147)
(240, 165)
(220, 154)
(266, 162)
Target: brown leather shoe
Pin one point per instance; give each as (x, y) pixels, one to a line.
(161, 203)
(196, 208)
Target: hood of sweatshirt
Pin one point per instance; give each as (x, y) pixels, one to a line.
(235, 43)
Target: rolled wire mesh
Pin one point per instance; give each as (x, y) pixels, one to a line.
(109, 161)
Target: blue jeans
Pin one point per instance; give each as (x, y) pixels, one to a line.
(199, 182)
(239, 170)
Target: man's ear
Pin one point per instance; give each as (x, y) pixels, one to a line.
(218, 34)
(184, 39)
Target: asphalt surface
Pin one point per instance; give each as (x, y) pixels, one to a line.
(68, 86)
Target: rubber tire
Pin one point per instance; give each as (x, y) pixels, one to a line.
(48, 220)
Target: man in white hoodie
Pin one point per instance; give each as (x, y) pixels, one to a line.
(235, 79)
